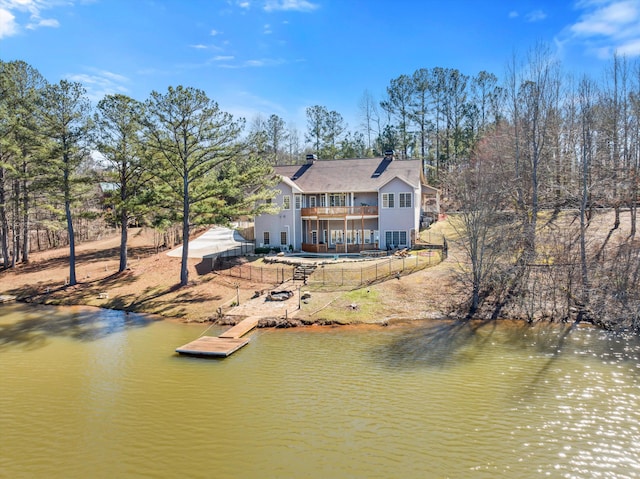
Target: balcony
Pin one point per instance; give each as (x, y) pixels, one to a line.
(339, 248)
(340, 212)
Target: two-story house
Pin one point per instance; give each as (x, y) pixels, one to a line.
(348, 205)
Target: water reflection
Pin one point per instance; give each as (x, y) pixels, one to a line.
(108, 398)
(40, 324)
(440, 344)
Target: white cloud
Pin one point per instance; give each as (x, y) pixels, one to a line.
(99, 83)
(610, 20)
(267, 29)
(223, 58)
(290, 5)
(513, 14)
(214, 32)
(630, 49)
(256, 63)
(608, 26)
(43, 22)
(536, 16)
(8, 25)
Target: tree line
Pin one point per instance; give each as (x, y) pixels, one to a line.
(529, 161)
(175, 158)
(534, 189)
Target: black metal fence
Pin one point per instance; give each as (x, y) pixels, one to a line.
(242, 249)
(336, 274)
(380, 270)
(271, 275)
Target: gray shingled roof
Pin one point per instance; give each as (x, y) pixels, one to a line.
(357, 175)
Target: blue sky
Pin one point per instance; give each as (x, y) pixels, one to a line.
(281, 56)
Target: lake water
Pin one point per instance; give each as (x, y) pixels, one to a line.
(87, 393)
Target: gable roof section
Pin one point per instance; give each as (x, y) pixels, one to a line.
(357, 175)
(289, 182)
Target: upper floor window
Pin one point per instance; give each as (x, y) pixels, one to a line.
(405, 200)
(298, 201)
(286, 202)
(337, 199)
(312, 201)
(388, 200)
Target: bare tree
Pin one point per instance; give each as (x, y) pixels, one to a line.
(482, 225)
(370, 117)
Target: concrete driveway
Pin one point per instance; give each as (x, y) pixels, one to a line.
(211, 243)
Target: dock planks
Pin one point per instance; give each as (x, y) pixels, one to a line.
(242, 328)
(225, 344)
(212, 346)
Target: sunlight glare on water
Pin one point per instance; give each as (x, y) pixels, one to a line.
(88, 393)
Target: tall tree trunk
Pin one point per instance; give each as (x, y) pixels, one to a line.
(4, 223)
(70, 232)
(15, 223)
(124, 233)
(184, 270)
(72, 244)
(25, 219)
(586, 154)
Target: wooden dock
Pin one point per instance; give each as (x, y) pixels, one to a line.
(242, 328)
(225, 344)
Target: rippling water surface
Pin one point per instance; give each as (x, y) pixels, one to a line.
(101, 394)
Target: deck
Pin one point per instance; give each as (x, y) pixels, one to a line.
(242, 328)
(213, 346)
(223, 345)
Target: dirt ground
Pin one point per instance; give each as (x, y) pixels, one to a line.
(151, 286)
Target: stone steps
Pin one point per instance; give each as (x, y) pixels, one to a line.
(303, 271)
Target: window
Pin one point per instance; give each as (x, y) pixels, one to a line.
(312, 201)
(388, 200)
(395, 238)
(323, 200)
(337, 200)
(405, 200)
(283, 238)
(298, 200)
(314, 237)
(286, 202)
(265, 238)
